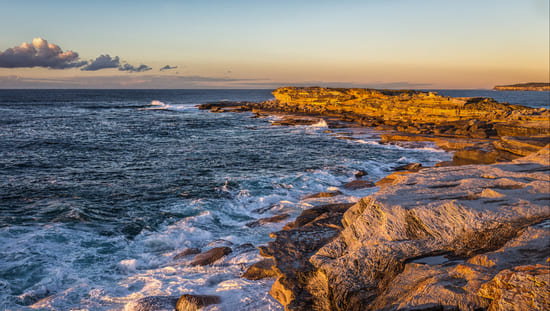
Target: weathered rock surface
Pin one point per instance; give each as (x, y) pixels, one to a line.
(485, 214)
(293, 246)
(188, 302)
(210, 256)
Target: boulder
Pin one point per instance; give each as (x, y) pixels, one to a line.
(260, 270)
(188, 302)
(153, 303)
(210, 256)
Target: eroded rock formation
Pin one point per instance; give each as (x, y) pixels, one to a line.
(483, 218)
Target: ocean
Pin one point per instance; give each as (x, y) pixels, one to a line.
(100, 189)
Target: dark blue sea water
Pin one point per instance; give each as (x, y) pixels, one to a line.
(99, 189)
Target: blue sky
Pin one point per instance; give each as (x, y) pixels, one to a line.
(439, 44)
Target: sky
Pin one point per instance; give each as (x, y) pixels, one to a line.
(423, 44)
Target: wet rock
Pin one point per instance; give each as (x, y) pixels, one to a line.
(210, 256)
(358, 184)
(153, 303)
(360, 173)
(322, 195)
(266, 220)
(188, 302)
(260, 270)
(187, 252)
(412, 167)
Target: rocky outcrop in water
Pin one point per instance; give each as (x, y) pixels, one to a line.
(449, 238)
(494, 131)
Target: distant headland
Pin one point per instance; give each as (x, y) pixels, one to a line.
(531, 86)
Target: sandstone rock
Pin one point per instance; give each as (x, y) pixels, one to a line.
(322, 195)
(189, 302)
(294, 245)
(153, 303)
(260, 270)
(210, 256)
(266, 220)
(445, 210)
(186, 252)
(358, 184)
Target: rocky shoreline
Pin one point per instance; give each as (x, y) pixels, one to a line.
(468, 235)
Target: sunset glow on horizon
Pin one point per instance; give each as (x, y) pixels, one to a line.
(256, 44)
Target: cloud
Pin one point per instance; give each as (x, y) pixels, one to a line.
(102, 62)
(39, 53)
(168, 67)
(130, 68)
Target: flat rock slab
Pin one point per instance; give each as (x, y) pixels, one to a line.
(210, 256)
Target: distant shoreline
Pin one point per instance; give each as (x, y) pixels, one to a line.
(531, 86)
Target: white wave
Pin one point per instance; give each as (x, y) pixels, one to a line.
(321, 124)
(159, 105)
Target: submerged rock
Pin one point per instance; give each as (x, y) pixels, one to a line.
(411, 167)
(266, 220)
(188, 302)
(210, 256)
(358, 184)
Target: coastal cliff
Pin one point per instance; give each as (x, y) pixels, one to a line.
(464, 237)
(532, 86)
